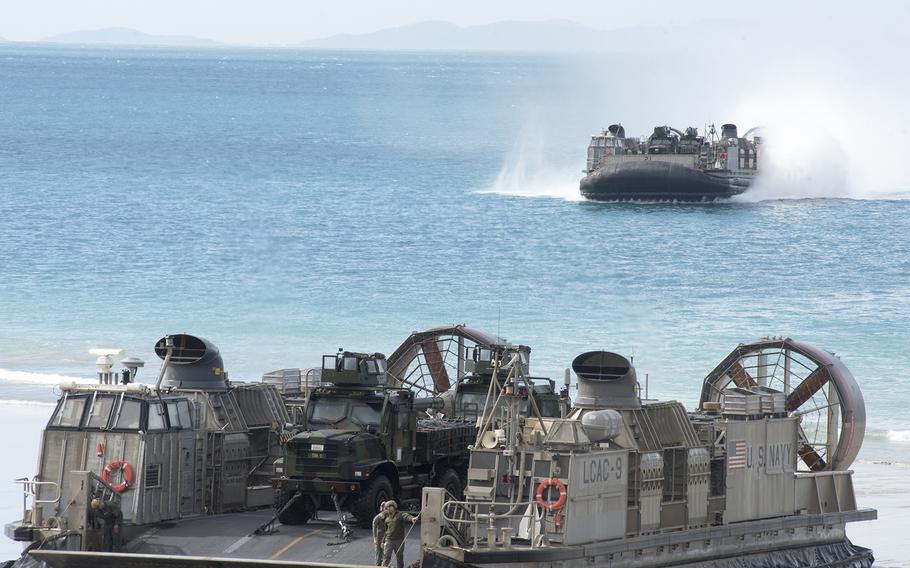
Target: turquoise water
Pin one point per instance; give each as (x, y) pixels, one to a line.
(286, 203)
(283, 204)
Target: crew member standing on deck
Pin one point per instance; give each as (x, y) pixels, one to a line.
(394, 534)
(379, 527)
(109, 516)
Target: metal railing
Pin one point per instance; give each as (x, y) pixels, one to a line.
(30, 488)
(101, 489)
(464, 518)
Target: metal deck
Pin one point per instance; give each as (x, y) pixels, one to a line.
(227, 540)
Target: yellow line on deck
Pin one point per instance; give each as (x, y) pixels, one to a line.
(291, 544)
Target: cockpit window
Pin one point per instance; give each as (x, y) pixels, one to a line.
(186, 418)
(130, 415)
(328, 411)
(69, 413)
(174, 415)
(364, 414)
(156, 417)
(99, 411)
(179, 413)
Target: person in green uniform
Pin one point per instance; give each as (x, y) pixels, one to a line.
(379, 528)
(394, 534)
(109, 517)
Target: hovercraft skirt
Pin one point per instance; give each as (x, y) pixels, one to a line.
(654, 180)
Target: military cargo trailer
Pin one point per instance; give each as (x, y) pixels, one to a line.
(192, 444)
(364, 442)
(625, 482)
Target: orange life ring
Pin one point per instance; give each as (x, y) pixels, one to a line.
(722, 157)
(552, 505)
(127, 474)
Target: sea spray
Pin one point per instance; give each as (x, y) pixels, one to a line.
(823, 139)
(529, 170)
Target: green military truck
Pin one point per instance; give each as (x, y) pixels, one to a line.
(470, 395)
(363, 443)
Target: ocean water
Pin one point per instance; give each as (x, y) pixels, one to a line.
(283, 204)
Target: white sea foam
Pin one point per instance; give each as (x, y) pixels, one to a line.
(26, 403)
(889, 435)
(521, 179)
(40, 378)
(898, 435)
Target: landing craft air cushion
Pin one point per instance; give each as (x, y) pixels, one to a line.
(186, 465)
(749, 479)
(670, 165)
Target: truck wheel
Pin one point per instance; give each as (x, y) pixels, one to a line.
(450, 481)
(298, 513)
(366, 507)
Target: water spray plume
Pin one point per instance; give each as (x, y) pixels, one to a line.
(820, 141)
(529, 171)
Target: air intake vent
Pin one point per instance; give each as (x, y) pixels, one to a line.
(605, 380)
(152, 476)
(195, 363)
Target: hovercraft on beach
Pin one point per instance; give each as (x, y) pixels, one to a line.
(670, 165)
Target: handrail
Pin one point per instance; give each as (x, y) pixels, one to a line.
(476, 519)
(30, 486)
(487, 516)
(30, 490)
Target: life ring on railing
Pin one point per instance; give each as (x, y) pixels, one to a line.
(722, 157)
(127, 474)
(552, 505)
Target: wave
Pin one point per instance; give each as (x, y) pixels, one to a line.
(40, 378)
(898, 435)
(26, 403)
(890, 435)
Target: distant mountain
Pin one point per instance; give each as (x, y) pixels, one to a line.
(544, 36)
(127, 36)
(445, 36)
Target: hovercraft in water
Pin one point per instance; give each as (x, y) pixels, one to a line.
(670, 165)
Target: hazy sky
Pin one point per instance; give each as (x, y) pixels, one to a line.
(289, 21)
